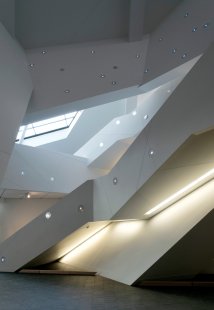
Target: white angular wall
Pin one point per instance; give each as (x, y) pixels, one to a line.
(16, 213)
(15, 92)
(42, 233)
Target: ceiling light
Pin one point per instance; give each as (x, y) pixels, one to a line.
(115, 67)
(160, 39)
(102, 75)
(115, 181)
(138, 56)
(31, 65)
(194, 29)
(134, 112)
(22, 173)
(92, 51)
(169, 91)
(151, 153)
(101, 144)
(113, 82)
(206, 25)
(67, 91)
(186, 14)
(3, 259)
(81, 208)
(146, 116)
(48, 215)
(117, 122)
(182, 192)
(174, 50)
(28, 195)
(52, 179)
(184, 56)
(146, 71)
(44, 52)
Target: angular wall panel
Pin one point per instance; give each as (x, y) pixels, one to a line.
(47, 230)
(189, 109)
(15, 92)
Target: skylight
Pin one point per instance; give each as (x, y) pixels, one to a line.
(63, 123)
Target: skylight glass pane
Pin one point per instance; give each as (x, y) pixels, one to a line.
(29, 132)
(49, 120)
(62, 123)
(69, 121)
(50, 127)
(70, 115)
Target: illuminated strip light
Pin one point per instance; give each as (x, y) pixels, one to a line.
(68, 256)
(182, 192)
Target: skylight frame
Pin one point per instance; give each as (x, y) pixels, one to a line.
(68, 119)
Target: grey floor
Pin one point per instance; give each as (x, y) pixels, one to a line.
(26, 292)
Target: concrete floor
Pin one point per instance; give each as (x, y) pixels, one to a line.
(29, 291)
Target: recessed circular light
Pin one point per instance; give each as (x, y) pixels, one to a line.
(174, 50)
(48, 215)
(115, 181)
(206, 25)
(151, 153)
(146, 116)
(184, 55)
(160, 39)
(117, 122)
(52, 179)
(28, 195)
(31, 65)
(102, 75)
(67, 91)
(92, 51)
(138, 56)
(134, 112)
(44, 52)
(3, 259)
(113, 82)
(168, 91)
(194, 29)
(186, 14)
(101, 144)
(146, 70)
(22, 173)
(81, 208)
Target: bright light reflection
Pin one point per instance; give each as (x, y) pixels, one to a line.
(85, 245)
(182, 192)
(127, 228)
(117, 229)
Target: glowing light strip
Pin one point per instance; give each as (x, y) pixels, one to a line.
(67, 256)
(183, 192)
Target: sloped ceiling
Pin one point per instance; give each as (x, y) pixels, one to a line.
(7, 15)
(156, 11)
(54, 22)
